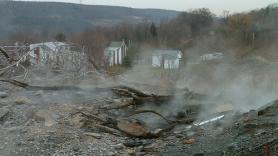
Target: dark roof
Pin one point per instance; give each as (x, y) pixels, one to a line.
(116, 44)
(168, 54)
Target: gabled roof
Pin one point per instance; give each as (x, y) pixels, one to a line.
(116, 44)
(168, 54)
(108, 50)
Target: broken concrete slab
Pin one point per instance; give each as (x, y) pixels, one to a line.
(46, 116)
(133, 127)
(22, 100)
(3, 112)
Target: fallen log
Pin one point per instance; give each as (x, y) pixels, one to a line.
(29, 87)
(85, 120)
(128, 91)
(151, 111)
(16, 83)
(90, 116)
(5, 53)
(140, 97)
(123, 103)
(3, 72)
(182, 121)
(108, 130)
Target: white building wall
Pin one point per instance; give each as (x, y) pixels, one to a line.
(177, 63)
(156, 61)
(110, 59)
(120, 56)
(168, 64)
(115, 56)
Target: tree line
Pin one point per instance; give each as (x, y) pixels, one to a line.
(195, 32)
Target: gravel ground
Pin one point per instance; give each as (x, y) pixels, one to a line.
(41, 123)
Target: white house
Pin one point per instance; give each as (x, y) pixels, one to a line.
(167, 59)
(212, 56)
(115, 53)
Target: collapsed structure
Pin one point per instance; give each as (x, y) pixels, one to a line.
(167, 59)
(58, 54)
(99, 116)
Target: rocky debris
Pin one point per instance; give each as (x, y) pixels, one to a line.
(250, 133)
(270, 109)
(131, 152)
(3, 112)
(119, 146)
(104, 123)
(3, 94)
(137, 143)
(94, 135)
(189, 141)
(133, 127)
(22, 100)
(46, 116)
(119, 103)
(133, 143)
(154, 147)
(78, 120)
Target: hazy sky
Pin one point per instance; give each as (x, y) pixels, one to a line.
(216, 6)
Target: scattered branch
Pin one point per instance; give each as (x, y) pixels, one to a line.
(108, 130)
(151, 111)
(5, 53)
(16, 83)
(90, 116)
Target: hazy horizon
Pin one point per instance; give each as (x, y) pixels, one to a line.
(216, 6)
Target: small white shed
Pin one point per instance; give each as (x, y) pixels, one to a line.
(115, 53)
(167, 59)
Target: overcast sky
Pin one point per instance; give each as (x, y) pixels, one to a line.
(216, 6)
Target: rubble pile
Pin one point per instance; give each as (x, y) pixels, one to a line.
(119, 120)
(100, 117)
(251, 133)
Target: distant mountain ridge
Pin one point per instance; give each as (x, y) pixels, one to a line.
(69, 17)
